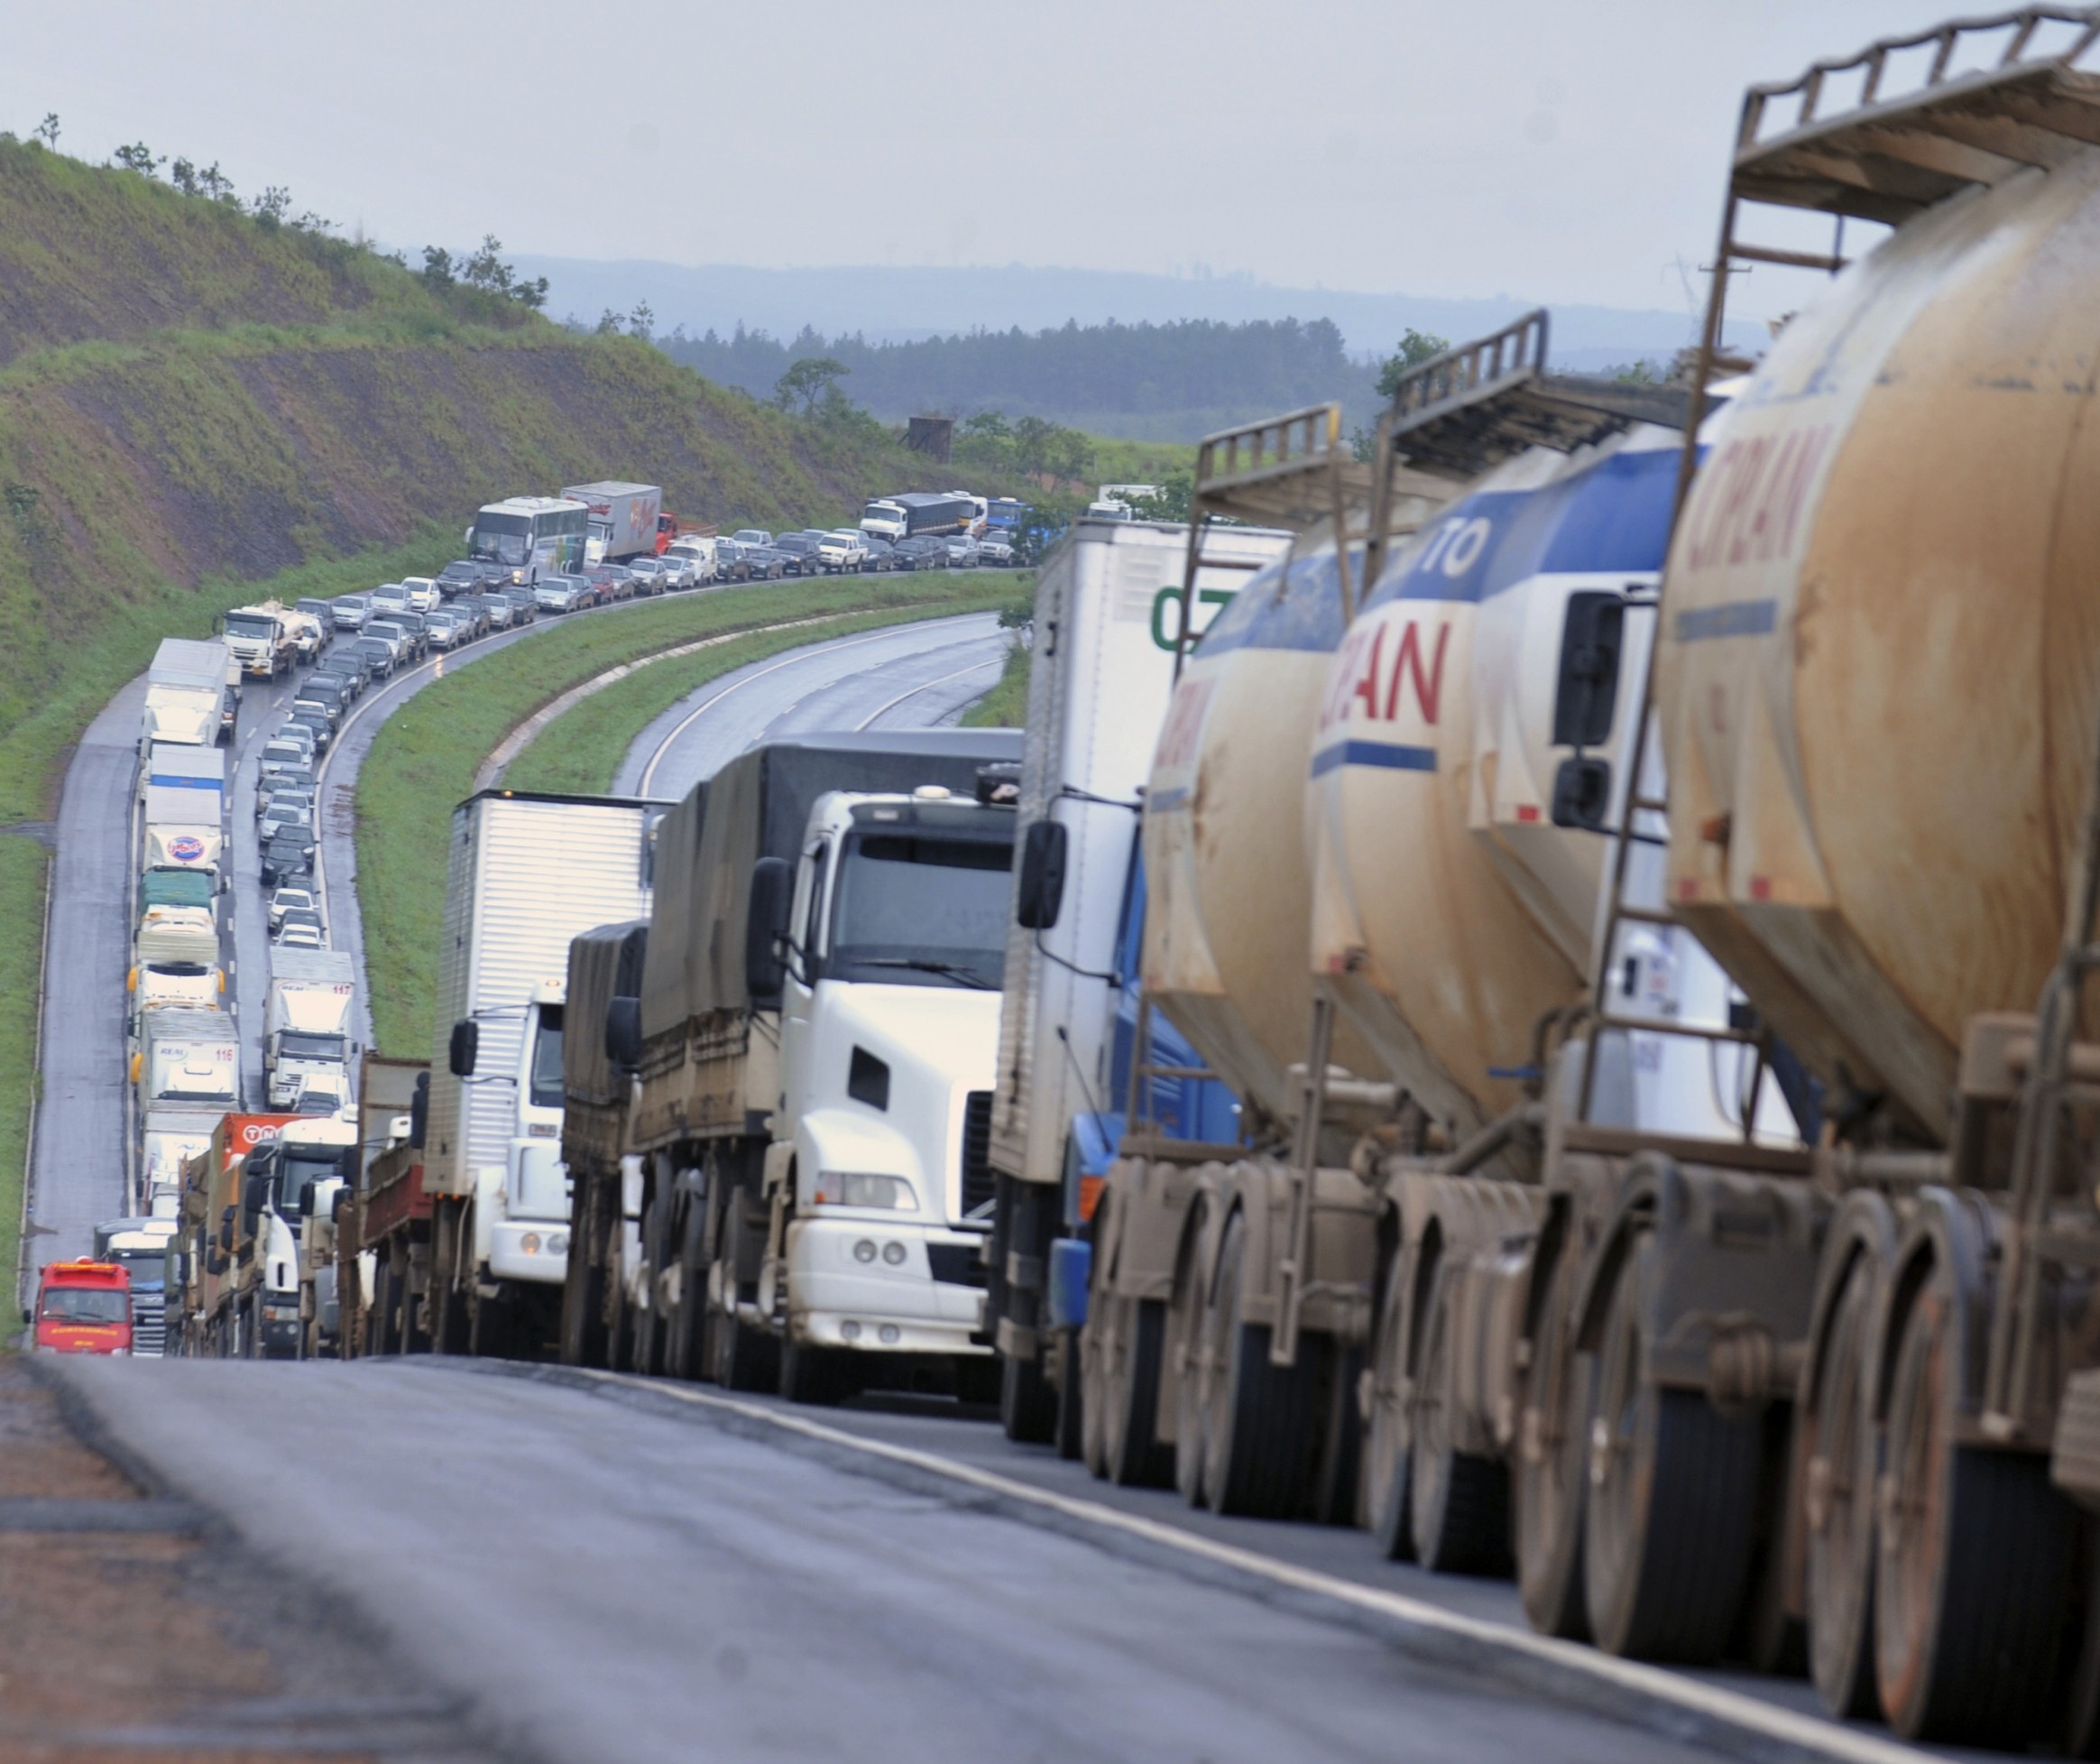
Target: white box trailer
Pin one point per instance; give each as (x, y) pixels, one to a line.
(186, 692)
(185, 807)
(624, 518)
(526, 874)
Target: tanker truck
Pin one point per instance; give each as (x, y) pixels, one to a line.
(1877, 689)
(1107, 604)
(806, 1168)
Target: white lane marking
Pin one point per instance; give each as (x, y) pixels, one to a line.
(1745, 1714)
(975, 668)
(698, 711)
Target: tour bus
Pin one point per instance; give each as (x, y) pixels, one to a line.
(528, 537)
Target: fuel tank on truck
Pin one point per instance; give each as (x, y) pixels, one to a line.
(1881, 641)
(1449, 913)
(1225, 927)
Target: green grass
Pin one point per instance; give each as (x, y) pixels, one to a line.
(1141, 461)
(1006, 706)
(424, 759)
(22, 864)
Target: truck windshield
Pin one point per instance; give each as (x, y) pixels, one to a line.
(83, 1305)
(921, 909)
(546, 1081)
(250, 625)
(297, 1170)
(292, 1045)
(148, 1263)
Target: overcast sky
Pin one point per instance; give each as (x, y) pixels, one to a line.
(1572, 151)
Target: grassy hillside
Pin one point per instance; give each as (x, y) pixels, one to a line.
(192, 399)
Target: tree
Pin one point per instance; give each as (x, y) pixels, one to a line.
(213, 183)
(486, 270)
(808, 381)
(642, 321)
(139, 157)
(437, 267)
(47, 131)
(183, 174)
(531, 293)
(1171, 502)
(608, 323)
(1070, 456)
(1416, 348)
(272, 206)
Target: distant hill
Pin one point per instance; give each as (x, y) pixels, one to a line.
(1175, 381)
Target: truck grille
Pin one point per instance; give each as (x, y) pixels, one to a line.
(149, 1324)
(978, 1187)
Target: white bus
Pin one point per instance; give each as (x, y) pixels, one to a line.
(530, 536)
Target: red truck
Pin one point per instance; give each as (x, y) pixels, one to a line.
(84, 1308)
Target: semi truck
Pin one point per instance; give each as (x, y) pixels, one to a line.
(192, 693)
(1098, 691)
(261, 1308)
(305, 1025)
(186, 1058)
(141, 1247)
(526, 873)
(183, 811)
(171, 1136)
(380, 1223)
(805, 1171)
(206, 1319)
(624, 519)
(260, 638)
(919, 514)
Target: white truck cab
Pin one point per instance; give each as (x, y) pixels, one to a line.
(522, 1206)
(889, 1038)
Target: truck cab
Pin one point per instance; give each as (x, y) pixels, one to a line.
(522, 1209)
(83, 1307)
(140, 1247)
(281, 1182)
(261, 640)
(891, 954)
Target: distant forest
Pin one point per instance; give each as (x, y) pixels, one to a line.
(1171, 382)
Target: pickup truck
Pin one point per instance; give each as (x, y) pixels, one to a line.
(839, 552)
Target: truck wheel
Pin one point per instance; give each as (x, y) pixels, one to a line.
(1257, 1455)
(1553, 1465)
(1070, 1395)
(1028, 1406)
(491, 1327)
(1194, 1367)
(1671, 1518)
(1971, 1568)
(1461, 1500)
(1132, 1352)
(1388, 1461)
(815, 1376)
(1844, 1463)
(583, 1290)
(682, 1345)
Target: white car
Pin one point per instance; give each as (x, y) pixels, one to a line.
(389, 597)
(424, 594)
(298, 936)
(677, 570)
(286, 898)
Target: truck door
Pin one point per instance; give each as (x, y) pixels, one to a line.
(798, 989)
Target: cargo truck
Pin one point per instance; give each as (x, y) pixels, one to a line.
(379, 1223)
(260, 638)
(261, 1308)
(920, 514)
(191, 697)
(207, 1322)
(185, 934)
(184, 1057)
(141, 1246)
(183, 813)
(815, 1039)
(526, 873)
(305, 1025)
(1096, 694)
(171, 1135)
(624, 519)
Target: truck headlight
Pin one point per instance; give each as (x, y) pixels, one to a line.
(861, 1189)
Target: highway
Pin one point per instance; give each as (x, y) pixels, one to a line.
(80, 1173)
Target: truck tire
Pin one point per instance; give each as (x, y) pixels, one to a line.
(1257, 1455)
(1973, 1560)
(1389, 1463)
(1844, 1451)
(1553, 1464)
(582, 1291)
(1132, 1352)
(1188, 1357)
(1460, 1500)
(1670, 1519)
(1070, 1396)
(682, 1325)
(1028, 1406)
(818, 1376)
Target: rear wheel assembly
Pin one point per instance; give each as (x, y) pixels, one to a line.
(1844, 1462)
(1132, 1454)
(1388, 1463)
(1972, 1563)
(1553, 1465)
(1460, 1499)
(1258, 1453)
(1671, 1520)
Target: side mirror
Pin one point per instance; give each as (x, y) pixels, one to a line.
(306, 1200)
(623, 1034)
(225, 1240)
(1045, 847)
(1588, 691)
(466, 1050)
(339, 1205)
(772, 897)
(1582, 793)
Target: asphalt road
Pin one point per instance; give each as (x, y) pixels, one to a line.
(609, 1575)
(909, 676)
